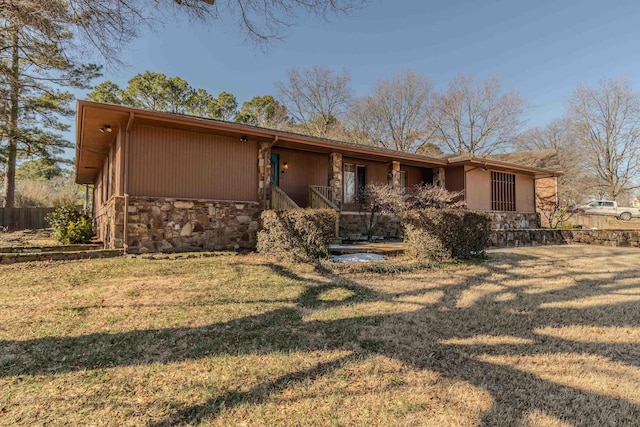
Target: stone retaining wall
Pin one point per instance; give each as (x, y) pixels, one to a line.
(172, 225)
(514, 238)
(352, 227)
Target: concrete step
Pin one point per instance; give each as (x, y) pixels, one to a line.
(11, 258)
(395, 248)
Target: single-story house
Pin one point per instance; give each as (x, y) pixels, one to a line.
(166, 181)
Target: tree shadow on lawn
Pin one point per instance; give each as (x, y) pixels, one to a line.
(431, 336)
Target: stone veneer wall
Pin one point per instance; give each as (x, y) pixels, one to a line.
(513, 220)
(109, 223)
(514, 238)
(352, 227)
(170, 225)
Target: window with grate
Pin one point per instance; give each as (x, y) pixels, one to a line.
(503, 191)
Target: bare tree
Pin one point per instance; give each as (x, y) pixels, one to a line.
(477, 119)
(316, 98)
(607, 125)
(108, 25)
(559, 139)
(395, 115)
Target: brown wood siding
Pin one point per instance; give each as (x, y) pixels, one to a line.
(416, 175)
(166, 162)
(377, 172)
(117, 159)
(454, 178)
(304, 169)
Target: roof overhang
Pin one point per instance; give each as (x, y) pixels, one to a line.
(93, 145)
(480, 162)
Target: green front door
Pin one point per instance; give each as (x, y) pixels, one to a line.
(275, 168)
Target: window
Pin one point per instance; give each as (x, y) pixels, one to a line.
(354, 181)
(349, 183)
(503, 191)
(403, 180)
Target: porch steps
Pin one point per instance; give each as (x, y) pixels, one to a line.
(56, 253)
(389, 249)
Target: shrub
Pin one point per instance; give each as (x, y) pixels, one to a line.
(445, 233)
(302, 233)
(426, 196)
(80, 231)
(378, 199)
(70, 226)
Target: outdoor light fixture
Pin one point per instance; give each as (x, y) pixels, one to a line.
(244, 138)
(106, 128)
(285, 166)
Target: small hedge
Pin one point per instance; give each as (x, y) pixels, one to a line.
(440, 234)
(301, 233)
(70, 226)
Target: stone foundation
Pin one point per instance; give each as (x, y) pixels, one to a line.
(109, 223)
(173, 225)
(352, 228)
(513, 220)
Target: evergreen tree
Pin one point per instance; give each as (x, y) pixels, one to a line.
(157, 92)
(263, 111)
(35, 67)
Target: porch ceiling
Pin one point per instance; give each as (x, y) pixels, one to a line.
(92, 145)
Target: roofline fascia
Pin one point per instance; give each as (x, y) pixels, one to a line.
(260, 132)
(506, 165)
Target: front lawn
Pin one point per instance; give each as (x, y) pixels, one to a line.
(536, 336)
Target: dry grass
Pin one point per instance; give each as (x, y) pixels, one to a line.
(27, 238)
(538, 336)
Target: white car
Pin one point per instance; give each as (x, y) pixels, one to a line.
(609, 208)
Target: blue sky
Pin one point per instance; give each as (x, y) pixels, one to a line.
(543, 48)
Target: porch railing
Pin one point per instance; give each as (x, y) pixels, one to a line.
(319, 199)
(327, 192)
(279, 199)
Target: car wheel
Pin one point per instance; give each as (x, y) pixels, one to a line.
(625, 216)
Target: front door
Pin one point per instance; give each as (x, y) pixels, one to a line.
(361, 172)
(275, 168)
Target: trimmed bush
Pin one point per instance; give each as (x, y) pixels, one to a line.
(301, 233)
(70, 226)
(439, 234)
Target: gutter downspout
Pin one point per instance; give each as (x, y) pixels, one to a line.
(262, 153)
(127, 137)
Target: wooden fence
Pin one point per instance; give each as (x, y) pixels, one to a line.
(24, 218)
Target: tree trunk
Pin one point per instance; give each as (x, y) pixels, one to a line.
(12, 149)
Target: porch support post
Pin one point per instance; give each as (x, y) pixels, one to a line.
(438, 177)
(394, 175)
(264, 173)
(335, 177)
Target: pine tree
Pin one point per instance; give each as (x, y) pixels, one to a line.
(35, 68)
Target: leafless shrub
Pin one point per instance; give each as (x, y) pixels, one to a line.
(425, 196)
(377, 200)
